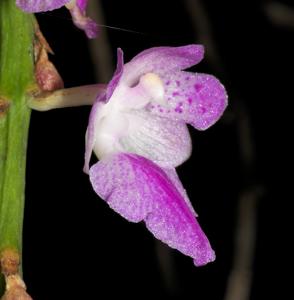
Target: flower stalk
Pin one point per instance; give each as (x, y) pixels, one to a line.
(16, 75)
(70, 97)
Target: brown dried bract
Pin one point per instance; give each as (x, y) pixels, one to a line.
(47, 77)
(17, 293)
(41, 39)
(15, 289)
(9, 262)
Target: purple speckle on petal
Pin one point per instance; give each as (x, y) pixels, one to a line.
(139, 190)
(168, 82)
(175, 94)
(178, 83)
(190, 101)
(178, 110)
(198, 87)
(202, 110)
(187, 78)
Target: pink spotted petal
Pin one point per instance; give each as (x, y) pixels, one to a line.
(197, 99)
(34, 6)
(139, 190)
(165, 142)
(161, 60)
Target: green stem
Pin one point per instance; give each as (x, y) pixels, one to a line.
(16, 74)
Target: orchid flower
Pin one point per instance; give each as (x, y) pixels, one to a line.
(77, 8)
(137, 129)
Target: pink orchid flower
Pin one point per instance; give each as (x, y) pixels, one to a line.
(77, 9)
(138, 131)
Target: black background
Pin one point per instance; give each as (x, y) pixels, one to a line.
(75, 246)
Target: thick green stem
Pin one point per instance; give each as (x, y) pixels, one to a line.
(16, 74)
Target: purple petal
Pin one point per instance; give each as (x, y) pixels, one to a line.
(138, 190)
(173, 176)
(89, 26)
(91, 130)
(165, 142)
(82, 4)
(81, 21)
(117, 75)
(34, 6)
(162, 60)
(197, 99)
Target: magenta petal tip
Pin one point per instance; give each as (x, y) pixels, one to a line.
(204, 259)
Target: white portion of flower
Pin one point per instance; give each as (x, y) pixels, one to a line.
(153, 86)
(110, 124)
(115, 119)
